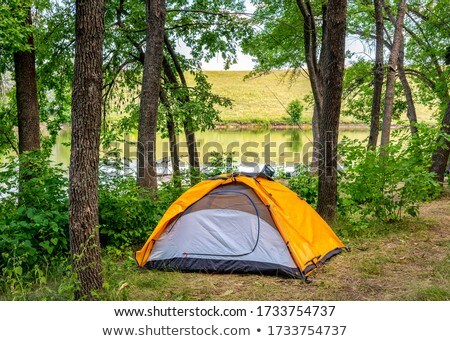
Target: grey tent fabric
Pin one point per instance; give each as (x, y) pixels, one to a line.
(229, 230)
(223, 234)
(234, 197)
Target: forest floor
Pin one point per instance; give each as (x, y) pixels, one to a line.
(402, 261)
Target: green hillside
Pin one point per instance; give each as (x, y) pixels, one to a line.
(264, 98)
(258, 99)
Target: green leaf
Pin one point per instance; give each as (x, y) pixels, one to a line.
(18, 270)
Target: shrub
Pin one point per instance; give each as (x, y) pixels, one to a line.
(295, 111)
(220, 163)
(304, 184)
(127, 213)
(34, 222)
(386, 187)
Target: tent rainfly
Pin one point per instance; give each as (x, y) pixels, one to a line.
(240, 223)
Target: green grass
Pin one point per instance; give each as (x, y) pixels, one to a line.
(262, 100)
(433, 293)
(408, 260)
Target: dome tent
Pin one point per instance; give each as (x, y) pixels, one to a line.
(240, 223)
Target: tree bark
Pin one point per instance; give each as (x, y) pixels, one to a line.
(187, 126)
(316, 139)
(148, 115)
(27, 95)
(441, 154)
(84, 157)
(310, 45)
(390, 81)
(378, 75)
(329, 120)
(174, 151)
(411, 108)
(194, 163)
(315, 67)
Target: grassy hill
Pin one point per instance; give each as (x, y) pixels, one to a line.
(263, 99)
(258, 99)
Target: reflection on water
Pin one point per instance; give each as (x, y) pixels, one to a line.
(250, 148)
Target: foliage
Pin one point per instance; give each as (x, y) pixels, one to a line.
(305, 184)
(220, 163)
(386, 188)
(358, 94)
(55, 50)
(128, 213)
(33, 222)
(209, 28)
(118, 266)
(8, 119)
(13, 32)
(276, 40)
(295, 111)
(200, 111)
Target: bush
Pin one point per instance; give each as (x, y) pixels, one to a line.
(34, 222)
(220, 163)
(386, 187)
(304, 184)
(127, 213)
(295, 111)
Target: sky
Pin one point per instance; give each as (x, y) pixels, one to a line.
(246, 62)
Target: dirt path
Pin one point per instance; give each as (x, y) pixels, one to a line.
(410, 262)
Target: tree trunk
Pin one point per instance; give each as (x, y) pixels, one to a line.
(27, 96)
(84, 157)
(194, 164)
(378, 77)
(441, 155)
(329, 120)
(316, 139)
(411, 108)
(174, 151)
(390, 82)
(148, 115)
(310, 45)
(315, 67)
(189, 132)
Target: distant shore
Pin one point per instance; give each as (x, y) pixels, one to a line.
(283, 126)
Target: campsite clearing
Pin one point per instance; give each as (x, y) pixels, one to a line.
(402, 261)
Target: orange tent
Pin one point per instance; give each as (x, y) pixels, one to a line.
(242, 224)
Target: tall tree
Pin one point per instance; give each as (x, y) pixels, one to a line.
(332, 99)
(26, 94)
(392, 71)
(189, 132)
(379, 74)
(171, 131)
(411, 108)
(148, 116)
(315, 65)
(84, 157)
(441, 155)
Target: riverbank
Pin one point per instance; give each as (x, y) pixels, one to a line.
(280, 125)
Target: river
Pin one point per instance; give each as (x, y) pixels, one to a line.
(251, 148)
